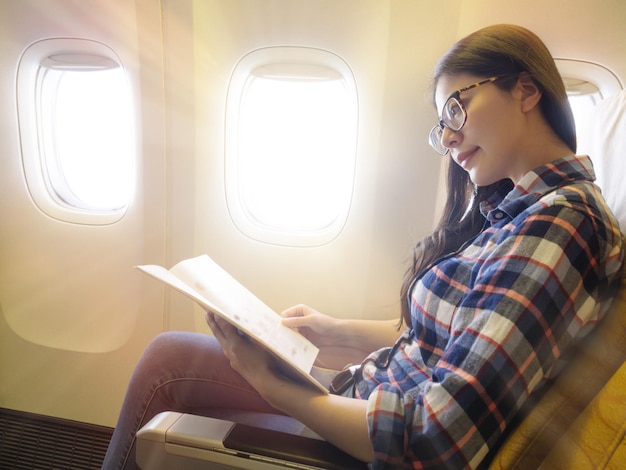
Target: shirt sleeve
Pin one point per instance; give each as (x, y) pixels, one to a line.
(535, 288)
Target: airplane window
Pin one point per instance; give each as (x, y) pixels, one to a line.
(587, 84)
(583, 97)
(76, 105)
(86, 137)
(291, 145)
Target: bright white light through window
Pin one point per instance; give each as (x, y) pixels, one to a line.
(583, 97)
(293, 147)
(76, 120)
(582, 107)
(88, 137)
(291, 159)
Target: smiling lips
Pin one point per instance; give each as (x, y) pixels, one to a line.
(462, 158)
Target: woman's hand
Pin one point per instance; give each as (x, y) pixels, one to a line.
(341, 342)
(320, 329)
(248, 359)
(339, 419)
(329, 334)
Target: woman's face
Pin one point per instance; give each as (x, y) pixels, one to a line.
(487, 146)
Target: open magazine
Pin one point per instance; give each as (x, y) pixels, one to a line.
(215, 290)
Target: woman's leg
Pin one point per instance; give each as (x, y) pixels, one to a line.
(183, 372)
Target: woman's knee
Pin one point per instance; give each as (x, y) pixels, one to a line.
(175, 349)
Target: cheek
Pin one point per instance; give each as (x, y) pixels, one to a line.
(492, 127)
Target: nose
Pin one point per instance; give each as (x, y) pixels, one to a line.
(451, 139)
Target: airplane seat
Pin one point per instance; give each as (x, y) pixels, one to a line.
(580, 420)
(577, 422)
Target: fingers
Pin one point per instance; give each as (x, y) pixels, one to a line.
(296, 317)
(296, 322)
(210, 319)
(215, 328)
(296, 311)
(227, 336)
(244, 356)
(223, 331)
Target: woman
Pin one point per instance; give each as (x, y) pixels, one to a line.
(523, 263)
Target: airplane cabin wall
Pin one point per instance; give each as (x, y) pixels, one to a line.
(75, 316)
(358, 273)
(583, 30)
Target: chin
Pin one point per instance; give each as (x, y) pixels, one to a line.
(480, 181)
(484, 179)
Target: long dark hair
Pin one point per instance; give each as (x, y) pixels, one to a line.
(491, 51)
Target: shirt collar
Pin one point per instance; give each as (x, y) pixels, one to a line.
(535, 184)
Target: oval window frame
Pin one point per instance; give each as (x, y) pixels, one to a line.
(68, 54)
(293, 60)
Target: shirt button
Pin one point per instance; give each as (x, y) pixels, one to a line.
(498, 215)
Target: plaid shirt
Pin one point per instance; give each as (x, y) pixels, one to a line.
(491, 321)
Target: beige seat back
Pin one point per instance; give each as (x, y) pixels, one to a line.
(567, 427)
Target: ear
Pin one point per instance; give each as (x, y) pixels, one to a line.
(528, 91)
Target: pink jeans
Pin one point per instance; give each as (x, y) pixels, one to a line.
(183, 372)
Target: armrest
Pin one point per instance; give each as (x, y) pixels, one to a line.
(289, 447)
(178, 440)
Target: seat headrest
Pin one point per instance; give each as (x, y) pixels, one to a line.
(603, 138)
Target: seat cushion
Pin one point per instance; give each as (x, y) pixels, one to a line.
(551, 416)
(597, 438)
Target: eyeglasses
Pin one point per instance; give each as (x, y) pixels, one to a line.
(453, 116)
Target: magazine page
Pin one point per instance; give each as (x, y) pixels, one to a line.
(213, 288)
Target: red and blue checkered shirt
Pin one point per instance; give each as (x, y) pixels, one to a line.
(491, 321)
